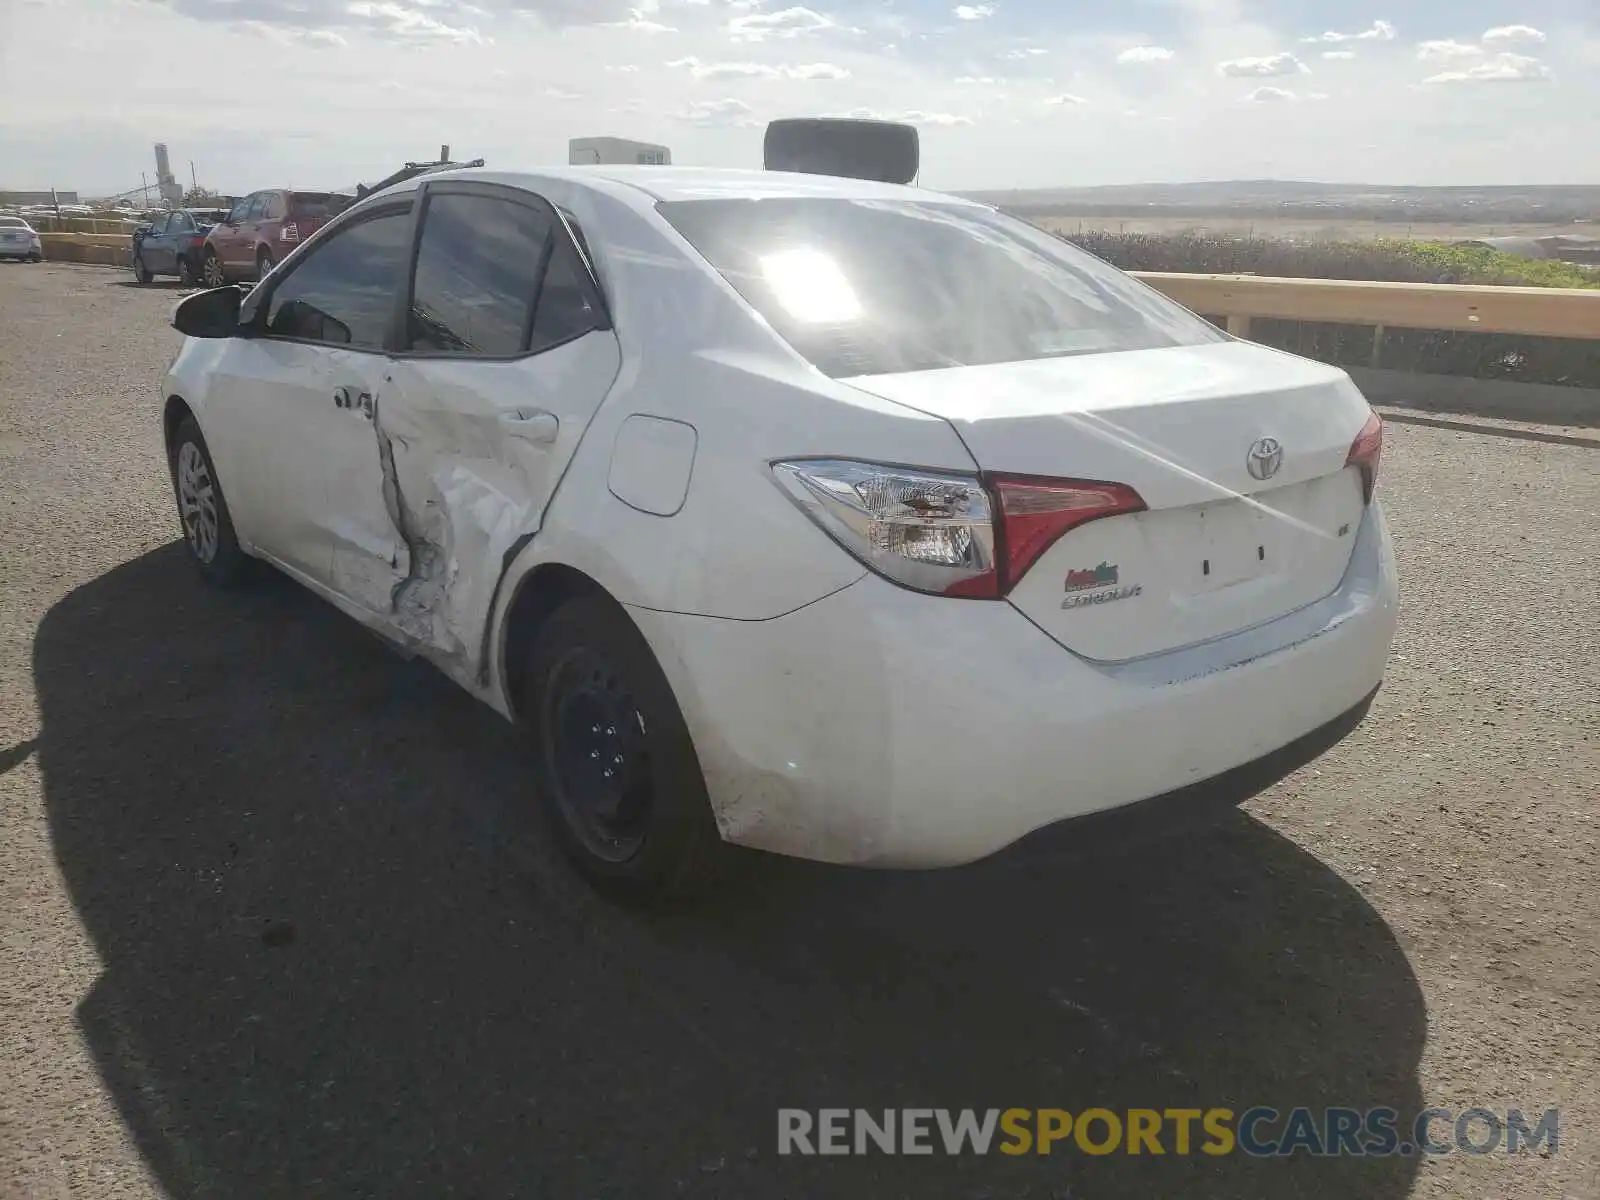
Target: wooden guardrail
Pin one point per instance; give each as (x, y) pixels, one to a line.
(1540, 312)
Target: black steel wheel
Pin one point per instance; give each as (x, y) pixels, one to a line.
(617, 772)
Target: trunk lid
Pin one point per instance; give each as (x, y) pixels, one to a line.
(1218, 549)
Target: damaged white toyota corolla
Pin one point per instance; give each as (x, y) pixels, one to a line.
(833, 518)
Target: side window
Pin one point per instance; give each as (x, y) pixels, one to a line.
(180, 223)
(343, 291)
(272, 207)
(477, 275)
(236, 213)
(159, 226)
(564, 310)
(258, 202)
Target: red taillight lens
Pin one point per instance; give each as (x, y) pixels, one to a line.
(1365, 452)
(1034, 513)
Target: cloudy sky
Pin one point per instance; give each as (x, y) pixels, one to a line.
(1013, 93)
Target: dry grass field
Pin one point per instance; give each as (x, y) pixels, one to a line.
(1301, 230)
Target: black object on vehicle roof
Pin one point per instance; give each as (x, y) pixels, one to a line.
(410, 171)
(885, 151)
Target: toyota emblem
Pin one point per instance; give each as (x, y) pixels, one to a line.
(1264, 459)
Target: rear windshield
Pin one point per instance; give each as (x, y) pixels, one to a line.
(308, 206)
(869, 287)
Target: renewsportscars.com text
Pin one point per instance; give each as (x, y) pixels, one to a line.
(1258, 1132)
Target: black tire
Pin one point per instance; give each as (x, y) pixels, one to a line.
(186, 272)
(219, 558)
(35, 258)
(141, 271)
(212, 273)
(264, 263)
(589, 659)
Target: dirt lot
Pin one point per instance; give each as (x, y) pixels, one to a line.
(273, 922)
(1302, 230)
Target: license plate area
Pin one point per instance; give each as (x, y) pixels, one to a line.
(1225, 544)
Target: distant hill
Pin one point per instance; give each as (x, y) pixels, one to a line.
(1335, 201)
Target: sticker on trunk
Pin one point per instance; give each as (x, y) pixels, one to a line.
(1088, 586)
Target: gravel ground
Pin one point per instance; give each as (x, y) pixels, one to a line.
(273, 924)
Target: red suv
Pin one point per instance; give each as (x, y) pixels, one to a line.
(263, 227)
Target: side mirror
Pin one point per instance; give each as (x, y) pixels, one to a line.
(210, 314)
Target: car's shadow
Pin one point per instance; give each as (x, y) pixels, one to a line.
(337, 960)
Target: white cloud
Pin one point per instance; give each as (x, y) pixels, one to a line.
(1381, 31)
(283, 36)
(785, 23)
(966, 80)
(1446, 49)
(555, 93)
(1502, 68)
(1507, 34)
(1145, 54)
(621, 68)
(1026, 52)
(712, 113)
(1339, 55)
(1270, 95)
(1272, 64)
(1318, 96)
(409, 24)
(750, 70)
(912, 116)
(1066, 98)
(973, 12)
(638, 20)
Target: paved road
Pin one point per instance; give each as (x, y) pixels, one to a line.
(273, 922)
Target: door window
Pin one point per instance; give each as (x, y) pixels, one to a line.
(477, 276)
(343, 291)
(237, 212)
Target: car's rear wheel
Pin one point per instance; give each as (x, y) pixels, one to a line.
(211, 272)
(141, 271)
(264, 262)
(186, 276)
(617, 771)
(202, 508)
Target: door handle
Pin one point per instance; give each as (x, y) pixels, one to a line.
(343, 397)
(532, 424)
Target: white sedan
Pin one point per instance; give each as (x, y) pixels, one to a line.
(20, 240)
(838, 519)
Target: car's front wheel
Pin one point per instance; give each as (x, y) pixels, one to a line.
(141, 270)
(264, 262)
(202, 508)
(617, 771)
(211, 272)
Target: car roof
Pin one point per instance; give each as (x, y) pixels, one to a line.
(643, 186)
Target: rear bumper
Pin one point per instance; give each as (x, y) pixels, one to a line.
(882, 727)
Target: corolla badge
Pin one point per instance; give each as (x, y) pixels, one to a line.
(1265, 457)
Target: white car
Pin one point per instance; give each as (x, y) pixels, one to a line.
(19, 240)
(839, 519)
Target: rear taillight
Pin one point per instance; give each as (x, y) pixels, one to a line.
(926, 530)
(290, 232)
(1037, 512)
(943, 532)
(1365, 452)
